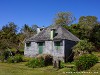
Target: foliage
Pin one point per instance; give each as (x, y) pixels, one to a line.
(11, 59)
(46, 57)
(5, 55)
(40, 61)
(8, 36)
(88, 27)
(88, 21)
(76, 30)
(12, 38)
(91, 29)
(64, 18)
(18, 58)
(27, 31)
(83, 47)
(95, 35)
(34, 63)
(62, 64)
(85, 62)
(26, 59)
(15, 59)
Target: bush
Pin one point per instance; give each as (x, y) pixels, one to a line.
(62, 65)
(26, 59)
(40, 61)
(85, 62)
(18, 58)
(11, 59)
(83, 47)
(34, 63)
(5, 55)
(15, 59)
(46, 57)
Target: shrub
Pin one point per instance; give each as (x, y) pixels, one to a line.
(26, 59)
(34, 63)
(46, 57)
(83, 47)
(62, 65)
(18, 58)
(85, 62)
(15, 59)
(40, 61)
(11, 59)
(5, 55)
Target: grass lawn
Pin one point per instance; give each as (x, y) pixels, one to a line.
(97, 54)
(21, 69)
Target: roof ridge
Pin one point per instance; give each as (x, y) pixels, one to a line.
(63, 33)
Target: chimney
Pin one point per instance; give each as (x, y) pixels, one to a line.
(52, 34)
(38, 30)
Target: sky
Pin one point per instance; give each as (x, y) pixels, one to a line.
(43, 12)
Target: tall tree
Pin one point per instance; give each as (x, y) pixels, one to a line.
(34, 27)
(87, 23)
(27, 31)
(95, 36)
(64, 18)
(8, 36)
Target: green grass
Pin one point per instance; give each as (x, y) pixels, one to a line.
(97, 54)
(21, 69)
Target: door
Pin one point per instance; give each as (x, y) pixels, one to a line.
(41, 47)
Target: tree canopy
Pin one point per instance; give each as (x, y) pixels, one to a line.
(64, 18)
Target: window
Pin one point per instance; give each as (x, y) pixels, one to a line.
(57, 45)
(28, 44)
(41, 43)
(40, 46)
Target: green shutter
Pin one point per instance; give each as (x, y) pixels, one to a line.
(41, 47)
(57, 45)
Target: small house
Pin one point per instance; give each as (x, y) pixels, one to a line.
(54, 40)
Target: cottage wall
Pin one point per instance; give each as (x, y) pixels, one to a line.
(60, 52)
(48, 48)
(32, 50)
(68, 49)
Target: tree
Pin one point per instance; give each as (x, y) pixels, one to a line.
(64, 18)
(88, 27)
(8, 36)
(87, 23)
(27, 31)
(83, 47)
(34, 27)
(95, 36)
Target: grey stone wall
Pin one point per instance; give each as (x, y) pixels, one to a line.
(63, 53)
(32, 50)
(60, 52)
(48, 48)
